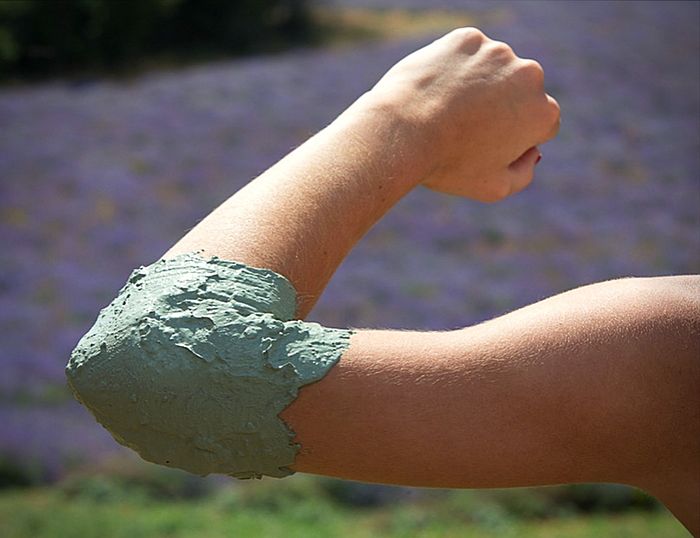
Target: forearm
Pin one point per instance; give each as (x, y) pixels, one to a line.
(302, 216)
(463, 116)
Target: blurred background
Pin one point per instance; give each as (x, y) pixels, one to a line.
(122, 123)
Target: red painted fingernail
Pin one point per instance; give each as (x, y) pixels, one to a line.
(539, 158)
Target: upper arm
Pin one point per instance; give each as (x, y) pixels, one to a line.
(589, 386)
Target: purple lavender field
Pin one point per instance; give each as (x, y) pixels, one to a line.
(97, 178)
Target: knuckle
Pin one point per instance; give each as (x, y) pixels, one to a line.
(554, 118)
(555, 129)
(500, 48)
(469, 32)
(555, 109)
(533, 70)
(467, 36)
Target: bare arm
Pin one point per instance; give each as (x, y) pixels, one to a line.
(599, 384)
(455, 116)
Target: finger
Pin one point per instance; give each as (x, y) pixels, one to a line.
(522, 170)
(554, 112)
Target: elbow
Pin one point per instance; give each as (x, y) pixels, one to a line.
(145, 372)
(193, 361)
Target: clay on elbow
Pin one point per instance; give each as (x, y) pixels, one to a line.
(193, 361)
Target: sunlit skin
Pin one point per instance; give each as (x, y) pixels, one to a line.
(600, 384)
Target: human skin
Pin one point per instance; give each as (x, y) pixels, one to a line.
(599, 384)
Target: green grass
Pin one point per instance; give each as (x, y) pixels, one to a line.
(102, 507)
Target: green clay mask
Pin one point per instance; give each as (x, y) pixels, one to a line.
(193, 361)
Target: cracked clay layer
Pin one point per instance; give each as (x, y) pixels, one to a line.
(192, 362)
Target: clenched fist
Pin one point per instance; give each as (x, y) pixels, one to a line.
(473, 113)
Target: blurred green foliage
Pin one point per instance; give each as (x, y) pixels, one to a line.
(158, 485)
(49, 37)
(108, 506)
(116, 480)
(159, 501)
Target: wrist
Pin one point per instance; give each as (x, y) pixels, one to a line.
(393, 142)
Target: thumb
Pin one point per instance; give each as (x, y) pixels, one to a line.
(522, 170)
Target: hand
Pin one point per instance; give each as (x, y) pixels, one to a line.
(473, 113)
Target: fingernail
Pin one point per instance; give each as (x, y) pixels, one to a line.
(539, 158)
